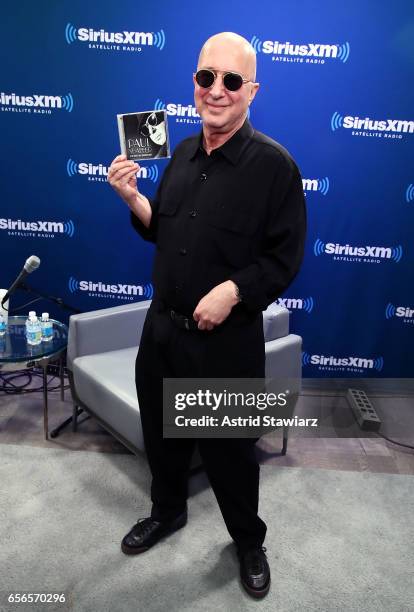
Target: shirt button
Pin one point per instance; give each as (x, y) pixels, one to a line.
(183, 251)
(177, 288)
(203, 176)
(193, 213)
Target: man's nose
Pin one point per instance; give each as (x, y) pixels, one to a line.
(217, 89)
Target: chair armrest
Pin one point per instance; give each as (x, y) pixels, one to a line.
(275, 322)
(284, 360)
(105, 330)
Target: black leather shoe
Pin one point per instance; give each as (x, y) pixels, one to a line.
(255, 571)
(146, 532)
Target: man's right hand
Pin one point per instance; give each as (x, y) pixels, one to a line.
(122, 176)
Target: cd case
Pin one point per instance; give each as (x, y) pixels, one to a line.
(144, 135)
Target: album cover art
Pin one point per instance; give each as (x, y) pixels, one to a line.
(144, 135)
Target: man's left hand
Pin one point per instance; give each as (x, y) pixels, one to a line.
(216, 305)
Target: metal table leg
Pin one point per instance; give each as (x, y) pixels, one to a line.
(45, 405)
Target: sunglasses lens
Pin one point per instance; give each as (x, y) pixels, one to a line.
(152, 120)
(232, 81)
(205, 78)
(145, 131)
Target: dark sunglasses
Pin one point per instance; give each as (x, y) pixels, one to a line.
(231, 80)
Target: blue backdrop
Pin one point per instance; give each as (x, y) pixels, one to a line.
(336, 91)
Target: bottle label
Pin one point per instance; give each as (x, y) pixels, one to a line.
(47, 331)
(31, 337)
(34, 334)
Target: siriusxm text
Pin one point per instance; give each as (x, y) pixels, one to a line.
(33, 226)
(404, 311)
(309, 50)
(101, 170)
(129, 38)
(107, 288)
(36, 100)
(358, 362)
(181, 111)
(388, 125)
(365, 251)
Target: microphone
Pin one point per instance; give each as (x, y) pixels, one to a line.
(31, 264)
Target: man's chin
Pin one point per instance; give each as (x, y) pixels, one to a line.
(214, 120)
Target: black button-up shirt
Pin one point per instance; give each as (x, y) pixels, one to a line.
(238, 213)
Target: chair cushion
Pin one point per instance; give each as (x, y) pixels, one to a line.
(105, 383)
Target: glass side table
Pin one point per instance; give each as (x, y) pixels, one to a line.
(17, 354)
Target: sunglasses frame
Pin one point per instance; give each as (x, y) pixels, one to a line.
(224, 74)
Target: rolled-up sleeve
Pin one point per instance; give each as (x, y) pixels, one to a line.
(281, 254)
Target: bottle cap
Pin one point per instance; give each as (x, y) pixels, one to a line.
(32, 313)
(45, 315)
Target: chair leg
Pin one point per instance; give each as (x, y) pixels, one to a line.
(75, 418)
(285, 440)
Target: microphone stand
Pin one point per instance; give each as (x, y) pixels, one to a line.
(51, 298)
(62, 304)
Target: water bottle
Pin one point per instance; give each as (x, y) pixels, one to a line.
(2, 325)
(34, 331)
(47, 327)
(32, 313)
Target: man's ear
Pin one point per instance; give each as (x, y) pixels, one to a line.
(253, 91)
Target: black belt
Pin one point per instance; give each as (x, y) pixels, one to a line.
(182, 321)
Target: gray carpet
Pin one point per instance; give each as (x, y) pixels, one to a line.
(336, 540)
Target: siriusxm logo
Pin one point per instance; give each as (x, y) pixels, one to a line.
(99, 172)
(321, 185)
(402, 312)
(387, 128)
(182, 114)
(342, 363)
(311, 53)
(39, 229)
(409, 193)
(305, 304)
(36, 103)
(115, 41)
(120, 291)
(368, 254)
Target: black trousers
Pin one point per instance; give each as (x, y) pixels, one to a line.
(235, 349)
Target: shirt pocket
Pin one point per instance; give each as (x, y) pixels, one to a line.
(167, 221)
(233, 220)
(168, 207)
(233, 231)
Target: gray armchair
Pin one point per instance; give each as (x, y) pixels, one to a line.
(102, 347)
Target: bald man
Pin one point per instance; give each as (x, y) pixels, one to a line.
(228, 221)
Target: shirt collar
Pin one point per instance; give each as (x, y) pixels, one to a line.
(232, 148)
